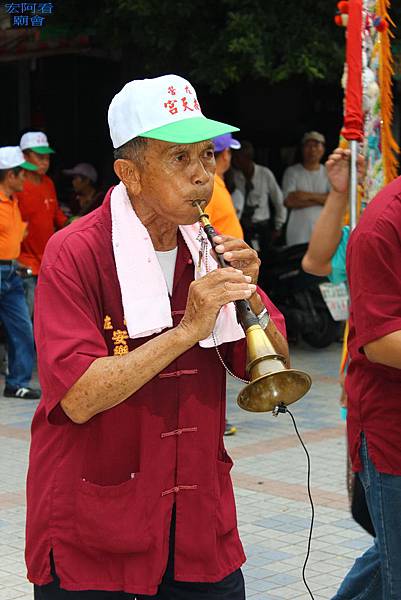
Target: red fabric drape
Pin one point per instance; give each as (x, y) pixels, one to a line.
(353, 117)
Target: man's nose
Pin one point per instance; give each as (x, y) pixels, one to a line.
(200, 176)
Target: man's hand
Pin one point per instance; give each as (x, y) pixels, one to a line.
(338, 168)
(208, 294)
(239, 255)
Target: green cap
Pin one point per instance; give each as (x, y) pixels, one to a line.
(28, 166)
(12, 157)
(42, 150)
(36, 141)
(189, 131)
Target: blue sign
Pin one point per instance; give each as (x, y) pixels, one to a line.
(29, 14)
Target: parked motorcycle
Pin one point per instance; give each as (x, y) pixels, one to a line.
(297, 295)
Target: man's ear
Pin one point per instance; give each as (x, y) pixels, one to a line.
(129, 174)
(9, 177)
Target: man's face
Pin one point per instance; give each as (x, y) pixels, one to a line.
(42, 161)
(78, 183)
(312, 151)
(173, 176)
(16, 182)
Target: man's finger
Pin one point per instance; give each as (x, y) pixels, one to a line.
(231, 244)
(240, 255)
(220, 239)
(227, 274)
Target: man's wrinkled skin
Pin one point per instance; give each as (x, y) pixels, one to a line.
(162, 187)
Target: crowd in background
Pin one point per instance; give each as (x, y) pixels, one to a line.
(247, 203)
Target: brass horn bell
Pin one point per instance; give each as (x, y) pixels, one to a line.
(271, 383)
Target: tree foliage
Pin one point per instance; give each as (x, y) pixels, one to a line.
(218, 43)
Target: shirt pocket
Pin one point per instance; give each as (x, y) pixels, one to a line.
(226, 516)
(113, 518)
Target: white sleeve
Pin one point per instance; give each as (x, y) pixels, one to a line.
(289, 182)
(328, 186)
(276, 196)
(238, 201)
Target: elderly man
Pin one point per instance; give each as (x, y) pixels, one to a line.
(128, 486)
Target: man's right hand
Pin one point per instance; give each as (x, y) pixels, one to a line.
(207, 295)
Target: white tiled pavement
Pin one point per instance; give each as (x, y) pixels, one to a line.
(270, 486)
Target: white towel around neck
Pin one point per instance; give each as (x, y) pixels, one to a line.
(144, 293)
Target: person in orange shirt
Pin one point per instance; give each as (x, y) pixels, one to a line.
(221, 208)
(13, 307)
(39, 207)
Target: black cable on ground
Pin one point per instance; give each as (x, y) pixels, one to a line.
(310, 500)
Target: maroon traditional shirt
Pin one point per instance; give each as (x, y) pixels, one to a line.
(100, 495)
(374, 274)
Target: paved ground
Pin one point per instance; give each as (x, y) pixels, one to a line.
(270, 485)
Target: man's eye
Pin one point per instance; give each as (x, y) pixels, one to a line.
(180, 157)
(209, 154)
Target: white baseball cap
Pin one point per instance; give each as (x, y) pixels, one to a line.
(36, 141)
(83, 169)
(164, 108)
(314, 136)
(11, 156)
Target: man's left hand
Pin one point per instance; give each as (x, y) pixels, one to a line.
(239, 255)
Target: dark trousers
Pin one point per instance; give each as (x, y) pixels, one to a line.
(230, 588)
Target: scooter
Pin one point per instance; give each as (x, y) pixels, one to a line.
(297, 295)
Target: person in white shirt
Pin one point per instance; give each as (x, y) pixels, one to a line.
(305, 189)
(257, 185)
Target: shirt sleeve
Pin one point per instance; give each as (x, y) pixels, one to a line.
(289, 182)
(60, 219)
(68, 337)
(22, 227)
(276, 316)
(328, 186)
(374, 272)
(238, 201)
(276, 196)
(338, 262)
